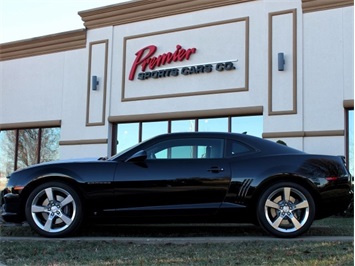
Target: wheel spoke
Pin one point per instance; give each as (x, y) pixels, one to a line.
(48, 225)
(302, 205)
(67, 200)
(272, 204)
(66, 219)
(287, 193)
(35, 208)
(277, 222)
(295, 222)
(49, 193)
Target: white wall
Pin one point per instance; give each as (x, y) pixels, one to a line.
(328, 75)
(32, 88)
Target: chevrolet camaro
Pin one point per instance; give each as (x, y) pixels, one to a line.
(182, 177)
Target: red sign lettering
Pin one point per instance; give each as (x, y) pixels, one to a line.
(145, 58)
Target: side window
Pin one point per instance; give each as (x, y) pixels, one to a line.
(192, 148)
(236, 148)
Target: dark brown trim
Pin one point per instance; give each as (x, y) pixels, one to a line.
(320, 5)
(39, 144)
(135, 11)
(301, 134)
(194, 93)
(348, 104)
(43, 45)
(16, 149)
(256, 110)
(33, 124)
(293, 12)
(104, 86)
(83, 142)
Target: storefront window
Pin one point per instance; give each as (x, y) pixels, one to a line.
(127, 135)
(350, 141)
(7, 152)
(49, 150)
(251, 125)
(213, 124)
(183, 126)
(24, 147)
(27, 151)
(152, 129)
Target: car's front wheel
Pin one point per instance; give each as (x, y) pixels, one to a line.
(286, 210)
(54, 209)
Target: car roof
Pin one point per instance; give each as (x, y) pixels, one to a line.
(260, 144)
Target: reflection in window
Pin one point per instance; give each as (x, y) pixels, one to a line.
(28, 150)
(213, 124)
(152, 129)
(24, 147)
(7, 152)
(183, 126)
(252, 125)
(49, 148)
(127, 135)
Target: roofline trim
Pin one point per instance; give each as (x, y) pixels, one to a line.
(320, 5)
(53, 43)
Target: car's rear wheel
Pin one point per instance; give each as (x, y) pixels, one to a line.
(54, 209)
(286, 210)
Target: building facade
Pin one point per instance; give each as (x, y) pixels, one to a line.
(281, 70)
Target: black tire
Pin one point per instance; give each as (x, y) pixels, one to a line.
(54, 209)
(286, 210)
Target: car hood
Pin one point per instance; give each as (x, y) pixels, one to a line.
(57, 162)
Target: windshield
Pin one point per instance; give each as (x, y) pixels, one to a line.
(122, 152)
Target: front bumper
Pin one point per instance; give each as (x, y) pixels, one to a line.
(10, 207)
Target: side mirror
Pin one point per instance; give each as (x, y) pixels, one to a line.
(139, 156)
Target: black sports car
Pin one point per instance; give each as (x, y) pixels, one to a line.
(183, 177)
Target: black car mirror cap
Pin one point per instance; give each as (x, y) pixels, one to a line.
(139, 156)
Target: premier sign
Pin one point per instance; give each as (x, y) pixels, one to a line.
(145, 58)
(185, 61)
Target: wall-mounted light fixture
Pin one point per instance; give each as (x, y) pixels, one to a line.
(281, 61)
(94, 83)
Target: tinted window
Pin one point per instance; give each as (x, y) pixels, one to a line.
(237, 148)
(192, 148)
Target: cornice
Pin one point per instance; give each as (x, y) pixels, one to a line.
(129, 12)
(148, 9)
(320, 5)
(43, 45)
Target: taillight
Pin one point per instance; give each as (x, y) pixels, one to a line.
(332, 178)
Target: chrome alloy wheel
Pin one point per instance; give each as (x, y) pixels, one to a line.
(286, 209)
(53, 209)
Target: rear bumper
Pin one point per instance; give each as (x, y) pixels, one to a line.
(334, 202)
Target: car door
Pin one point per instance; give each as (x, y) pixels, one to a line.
(179, 176)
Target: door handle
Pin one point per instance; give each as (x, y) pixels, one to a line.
(215, 169)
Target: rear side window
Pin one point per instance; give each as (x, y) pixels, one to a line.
(236, 148)
(190, 148)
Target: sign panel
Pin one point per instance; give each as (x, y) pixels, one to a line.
(204, 59)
